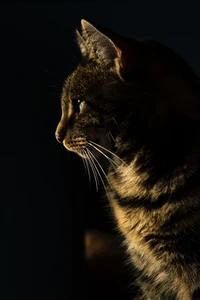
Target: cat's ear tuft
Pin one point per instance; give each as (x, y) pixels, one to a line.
(99, 45)
(82, 45)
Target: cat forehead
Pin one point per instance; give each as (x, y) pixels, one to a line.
(88, 77)
(78, 81)
(85, 72)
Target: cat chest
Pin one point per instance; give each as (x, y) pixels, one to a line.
(135, 227)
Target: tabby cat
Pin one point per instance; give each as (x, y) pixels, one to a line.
(137, 105)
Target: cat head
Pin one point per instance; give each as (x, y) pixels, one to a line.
(121, 88)
(93, 95)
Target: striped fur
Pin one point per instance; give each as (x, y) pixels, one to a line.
(131, 110)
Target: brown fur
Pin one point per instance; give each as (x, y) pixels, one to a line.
(131, 109)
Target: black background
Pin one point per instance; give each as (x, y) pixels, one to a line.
(44, 187)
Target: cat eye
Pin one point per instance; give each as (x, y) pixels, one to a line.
(78, 104)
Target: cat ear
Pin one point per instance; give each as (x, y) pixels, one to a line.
(99, 45)
(82, 45)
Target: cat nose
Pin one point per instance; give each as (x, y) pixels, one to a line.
(59, 137)
(61, 130)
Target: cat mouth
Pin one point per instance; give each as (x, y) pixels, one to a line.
(83, 148)
(76, 144)
(86, 149)
(90, 148)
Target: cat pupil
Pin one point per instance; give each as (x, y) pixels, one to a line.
(78, 105)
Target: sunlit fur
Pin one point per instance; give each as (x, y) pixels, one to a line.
(140, 112)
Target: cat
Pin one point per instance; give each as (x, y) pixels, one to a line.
(137, 105)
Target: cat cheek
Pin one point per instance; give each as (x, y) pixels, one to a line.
(76, 116)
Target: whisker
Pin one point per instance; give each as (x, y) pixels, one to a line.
(112, 136)
(113, 163)
(115, 122)
(109, 159)
(87, 166)
(93, 169)
(101, 169)
(91, 156)
(49, 72)
(83, 160)
(110, 152)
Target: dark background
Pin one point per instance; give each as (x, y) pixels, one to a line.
(43, 187)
